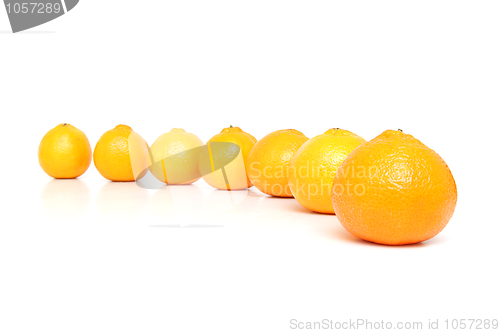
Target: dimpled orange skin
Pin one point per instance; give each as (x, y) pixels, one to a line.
(246, 142)
(112, 155)
(405, 191)
(65, 152)
(269, 159)
(179, 147)
(314, 165)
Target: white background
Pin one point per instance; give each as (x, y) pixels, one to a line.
(87, 256)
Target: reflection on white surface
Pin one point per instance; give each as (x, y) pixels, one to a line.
(161, 206)
(192, 204)
(184, 206)
(65, 198)
(220, 201)
(121, 200)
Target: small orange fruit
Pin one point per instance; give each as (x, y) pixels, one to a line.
(314, 165)
(394, 190)
(120, 155)
(175, 157)
(233, 175)
(65, 152)
(269, 159)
